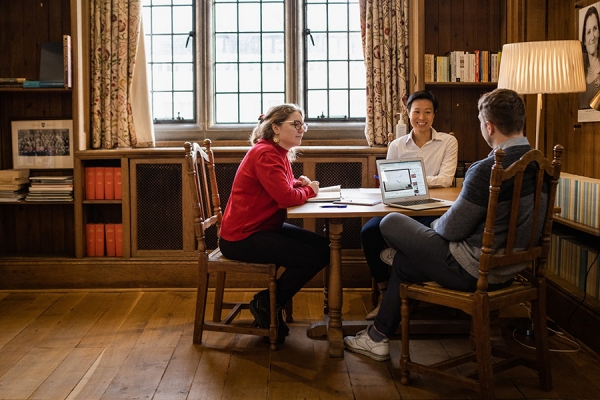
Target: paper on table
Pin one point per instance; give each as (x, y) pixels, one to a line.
(358, 201)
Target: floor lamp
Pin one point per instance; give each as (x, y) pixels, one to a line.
(554, 66)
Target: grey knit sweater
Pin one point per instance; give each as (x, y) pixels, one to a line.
(464, 222)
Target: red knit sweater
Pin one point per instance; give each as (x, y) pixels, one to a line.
(264, 186)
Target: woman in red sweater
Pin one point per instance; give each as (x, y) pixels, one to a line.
(253, 227)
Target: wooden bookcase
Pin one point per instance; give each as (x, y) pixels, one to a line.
(41, 229)
(438, 27)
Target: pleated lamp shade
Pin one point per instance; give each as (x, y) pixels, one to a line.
(554, 66)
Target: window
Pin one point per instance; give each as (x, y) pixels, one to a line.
(215, 66)
(168, 25)
(335, 78)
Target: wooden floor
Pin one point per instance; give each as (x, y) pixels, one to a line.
(138, 345)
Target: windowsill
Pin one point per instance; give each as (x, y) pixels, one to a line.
(350, 133)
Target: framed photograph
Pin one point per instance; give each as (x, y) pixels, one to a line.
(42, 144)
(589, 25)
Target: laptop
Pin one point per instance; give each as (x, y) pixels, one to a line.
(403, 184)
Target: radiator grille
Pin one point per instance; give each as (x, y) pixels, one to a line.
(159, 207)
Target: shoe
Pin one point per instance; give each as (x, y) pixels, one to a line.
(371, 316)
(387, 256)
(262, 317)
(363, 344)
(261, 314)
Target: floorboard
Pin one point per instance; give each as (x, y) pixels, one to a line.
(138, 344)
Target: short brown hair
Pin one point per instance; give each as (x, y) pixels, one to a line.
(505, 109)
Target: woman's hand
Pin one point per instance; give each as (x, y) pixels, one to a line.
(303, 180)
(315, 186)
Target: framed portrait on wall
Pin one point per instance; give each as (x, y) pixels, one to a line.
(42, 144)
(589, 31)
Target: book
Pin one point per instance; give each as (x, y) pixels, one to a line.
(118, 183)
(12, 80)
(11, 84)
(67, 71)
(99, 192)
(90, 239)
(109, 231)
(429, 67)
(12, 186)
(51, 62)
(42, 84)
(109, 183)
(13, 175)
(90, 183)
(119, 240)
(99, 240)
(328, 193)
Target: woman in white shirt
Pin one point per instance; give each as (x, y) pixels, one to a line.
(439, 152)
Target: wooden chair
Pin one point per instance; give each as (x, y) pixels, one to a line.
(207, 213)
(481, 303)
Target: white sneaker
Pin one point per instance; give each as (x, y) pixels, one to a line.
(363, 344)
(387, 256)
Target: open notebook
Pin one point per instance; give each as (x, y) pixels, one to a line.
(403, 183)
(328, 193)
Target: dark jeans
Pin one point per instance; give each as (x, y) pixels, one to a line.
(303, 254)
(422, 255)
(373, 242)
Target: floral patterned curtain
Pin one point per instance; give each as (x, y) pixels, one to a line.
(117, 43)
(385, 40)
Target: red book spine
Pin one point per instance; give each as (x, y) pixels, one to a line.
(109, 183)
(90, 183)
(109, 230)
(118, 183)
(99, 183)
(119, 240)
(99, 240)
(90, 239)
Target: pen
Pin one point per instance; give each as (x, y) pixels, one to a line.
(334, 206)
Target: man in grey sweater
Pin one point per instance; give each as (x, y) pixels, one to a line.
(448, 252)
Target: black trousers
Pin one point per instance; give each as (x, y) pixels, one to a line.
(303, 254)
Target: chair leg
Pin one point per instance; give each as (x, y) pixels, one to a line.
(405, 355)
(273, 306)
(483, 347)
(219, 293)
(200, 305)
(326, 290)
(540, 325)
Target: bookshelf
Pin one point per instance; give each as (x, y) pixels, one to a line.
(471, 25)
(38, 229)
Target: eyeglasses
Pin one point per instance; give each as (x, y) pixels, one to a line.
(297, 124)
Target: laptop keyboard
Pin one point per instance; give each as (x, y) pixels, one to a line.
(421, 201)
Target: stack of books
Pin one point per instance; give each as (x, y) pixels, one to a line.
(13, 184)
(50, 188)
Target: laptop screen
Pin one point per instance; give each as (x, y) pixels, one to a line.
(402, 179)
